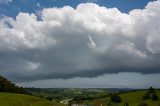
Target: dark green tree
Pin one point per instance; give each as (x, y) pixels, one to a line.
(8, 86)
(151, 90)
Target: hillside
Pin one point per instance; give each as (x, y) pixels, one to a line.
(95, 97)
(132, 98)
(12, 99)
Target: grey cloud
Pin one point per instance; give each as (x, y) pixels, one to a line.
(134, 80)
(86, 42)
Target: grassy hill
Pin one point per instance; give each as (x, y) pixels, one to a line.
(13, 99)
(133, 98)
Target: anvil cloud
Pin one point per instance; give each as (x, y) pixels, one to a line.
(87, 41)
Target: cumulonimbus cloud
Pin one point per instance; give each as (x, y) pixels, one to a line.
(87, 41)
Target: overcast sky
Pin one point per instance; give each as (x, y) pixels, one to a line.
(85, 43)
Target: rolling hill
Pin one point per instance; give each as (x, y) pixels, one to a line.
(12, 95)
(132, 98)
(13, 99)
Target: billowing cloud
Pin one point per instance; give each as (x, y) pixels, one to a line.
(87, 41)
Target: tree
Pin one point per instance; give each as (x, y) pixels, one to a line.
(151, 94)
(115, 98)
(151, 90)
(154, 97)
(8, 86)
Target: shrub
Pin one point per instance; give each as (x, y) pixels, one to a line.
(109, 104)
(49, 98)
(154, 97)
(115, 98)
(146, 96)
(126, 104)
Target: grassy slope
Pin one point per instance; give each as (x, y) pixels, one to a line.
(133, 98)
(11, 99)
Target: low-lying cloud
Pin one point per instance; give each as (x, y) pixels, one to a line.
(87, 41)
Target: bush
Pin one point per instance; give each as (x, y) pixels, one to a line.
(49, 98)
(126, 104)
(154, 97)
(143, 104)
(109, 104)
(146, 96)
(115, 98)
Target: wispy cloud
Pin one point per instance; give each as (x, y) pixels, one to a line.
(5, 1)
(91, 1)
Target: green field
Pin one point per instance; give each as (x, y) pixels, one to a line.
(12, 99)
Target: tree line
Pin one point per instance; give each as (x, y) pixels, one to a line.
(8, 86)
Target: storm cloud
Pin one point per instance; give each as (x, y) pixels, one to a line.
(87, 41)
